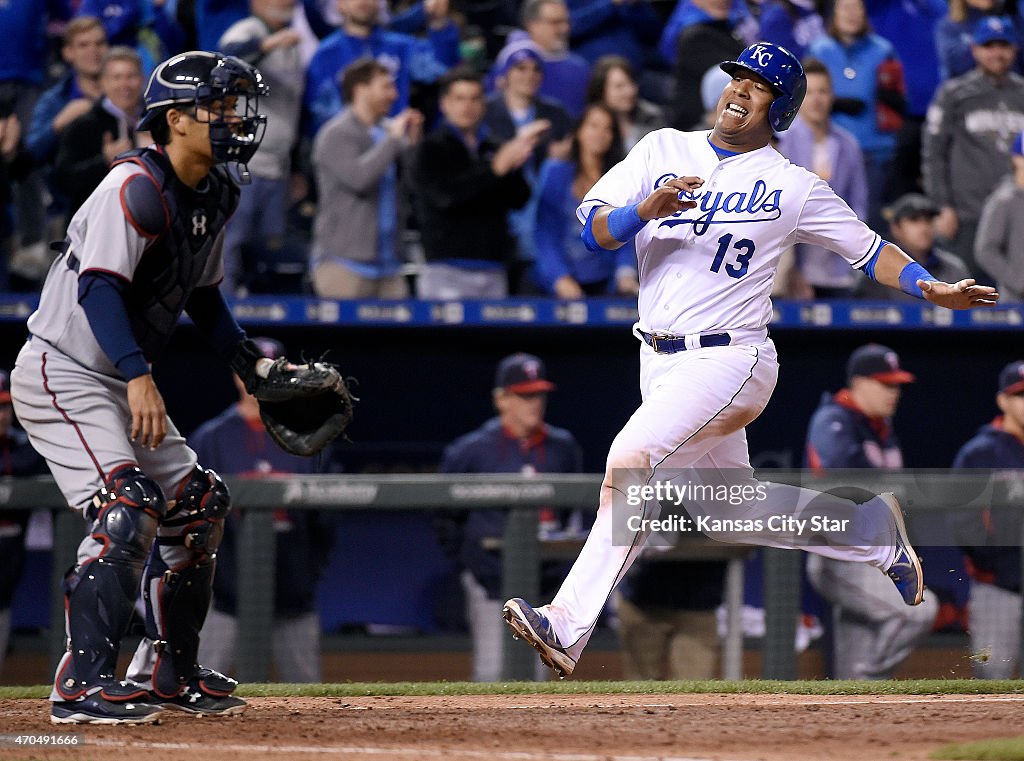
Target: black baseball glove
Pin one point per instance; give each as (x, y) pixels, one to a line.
(303, 407)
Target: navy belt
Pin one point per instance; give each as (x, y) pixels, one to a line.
(673, 344)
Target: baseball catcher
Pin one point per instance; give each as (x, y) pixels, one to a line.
(304, 407)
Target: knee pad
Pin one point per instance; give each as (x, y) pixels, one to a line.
(200, 506)
(100, 593)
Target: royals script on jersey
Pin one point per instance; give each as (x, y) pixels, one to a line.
(710, 268)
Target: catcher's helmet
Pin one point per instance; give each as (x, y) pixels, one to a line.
(211, 80)
(782, 70)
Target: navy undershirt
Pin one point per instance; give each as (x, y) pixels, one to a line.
(101, 295)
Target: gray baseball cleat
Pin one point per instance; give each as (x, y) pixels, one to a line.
(536, 630)
(96, 709)
(905, 570)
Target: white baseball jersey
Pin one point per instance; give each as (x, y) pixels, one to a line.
(710, 269)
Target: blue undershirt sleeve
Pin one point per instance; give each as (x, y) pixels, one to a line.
(101, 295)
(210, 313)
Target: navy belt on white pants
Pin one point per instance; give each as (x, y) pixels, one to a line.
(672, 344)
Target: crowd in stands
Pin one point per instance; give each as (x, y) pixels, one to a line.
(436, 148)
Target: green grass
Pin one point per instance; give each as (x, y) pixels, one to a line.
(569, 687)
(1002, 749)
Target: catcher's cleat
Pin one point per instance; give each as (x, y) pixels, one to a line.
(198, 703)
(536, 630)
(905, 570)
(96, 709)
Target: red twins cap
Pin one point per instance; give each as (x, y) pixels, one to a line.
(522, 374)
(5, 387)
(879, 363)
(269, 347)
(1011, 379)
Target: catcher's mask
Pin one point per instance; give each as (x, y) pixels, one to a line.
(222, 91)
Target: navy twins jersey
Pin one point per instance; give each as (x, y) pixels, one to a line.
(711, 268)
(145, 227)
(841, 436)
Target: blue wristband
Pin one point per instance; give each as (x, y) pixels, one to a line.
(624, 223)
(909, 276)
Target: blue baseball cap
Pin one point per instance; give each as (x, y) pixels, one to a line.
(514, 54)
(994, 29)
(1011, 378)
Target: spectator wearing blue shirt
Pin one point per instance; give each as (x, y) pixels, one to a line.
(549, 25)
(910, 25)
(214, 17)
(873, 631)
(518, 440)
(793, 24)
(867, 78)
(816, 143)
(954, 34)
(624, 27)
(141, 24)
(993, 560)
(409, 58)
(85, 46)
(565, 267)
(235, 443)
(22, 74)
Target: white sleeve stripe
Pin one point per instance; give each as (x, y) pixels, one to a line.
(876, 244)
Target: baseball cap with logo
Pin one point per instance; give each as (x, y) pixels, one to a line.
(994, 29)
(1011, 378)
(5, 387)
(522, 374)
(879, 363)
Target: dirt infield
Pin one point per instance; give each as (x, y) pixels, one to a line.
(542, 728)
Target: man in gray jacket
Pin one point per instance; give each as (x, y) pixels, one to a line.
(969, 131)
(355, 237)
(999, 247)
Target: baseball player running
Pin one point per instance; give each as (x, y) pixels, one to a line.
(711, 212)
(144, 247)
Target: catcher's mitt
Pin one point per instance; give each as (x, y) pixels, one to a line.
(303, 407)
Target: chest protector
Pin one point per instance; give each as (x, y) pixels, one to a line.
(182, 225)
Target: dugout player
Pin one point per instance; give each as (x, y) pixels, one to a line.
(993, 562)
(873, 632)
(143, 248)
(711, 212)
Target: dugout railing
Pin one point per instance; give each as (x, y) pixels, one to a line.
(923, 494)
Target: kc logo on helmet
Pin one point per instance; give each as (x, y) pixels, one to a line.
(763, 56)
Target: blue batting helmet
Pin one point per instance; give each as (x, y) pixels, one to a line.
(226, 87)
(782, 70)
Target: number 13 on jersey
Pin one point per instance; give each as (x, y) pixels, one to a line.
(744, 246)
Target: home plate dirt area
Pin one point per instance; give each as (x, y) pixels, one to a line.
(592, 727)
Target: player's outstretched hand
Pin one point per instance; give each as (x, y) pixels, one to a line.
(965, 294)
(668, 199)
(149, 415)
